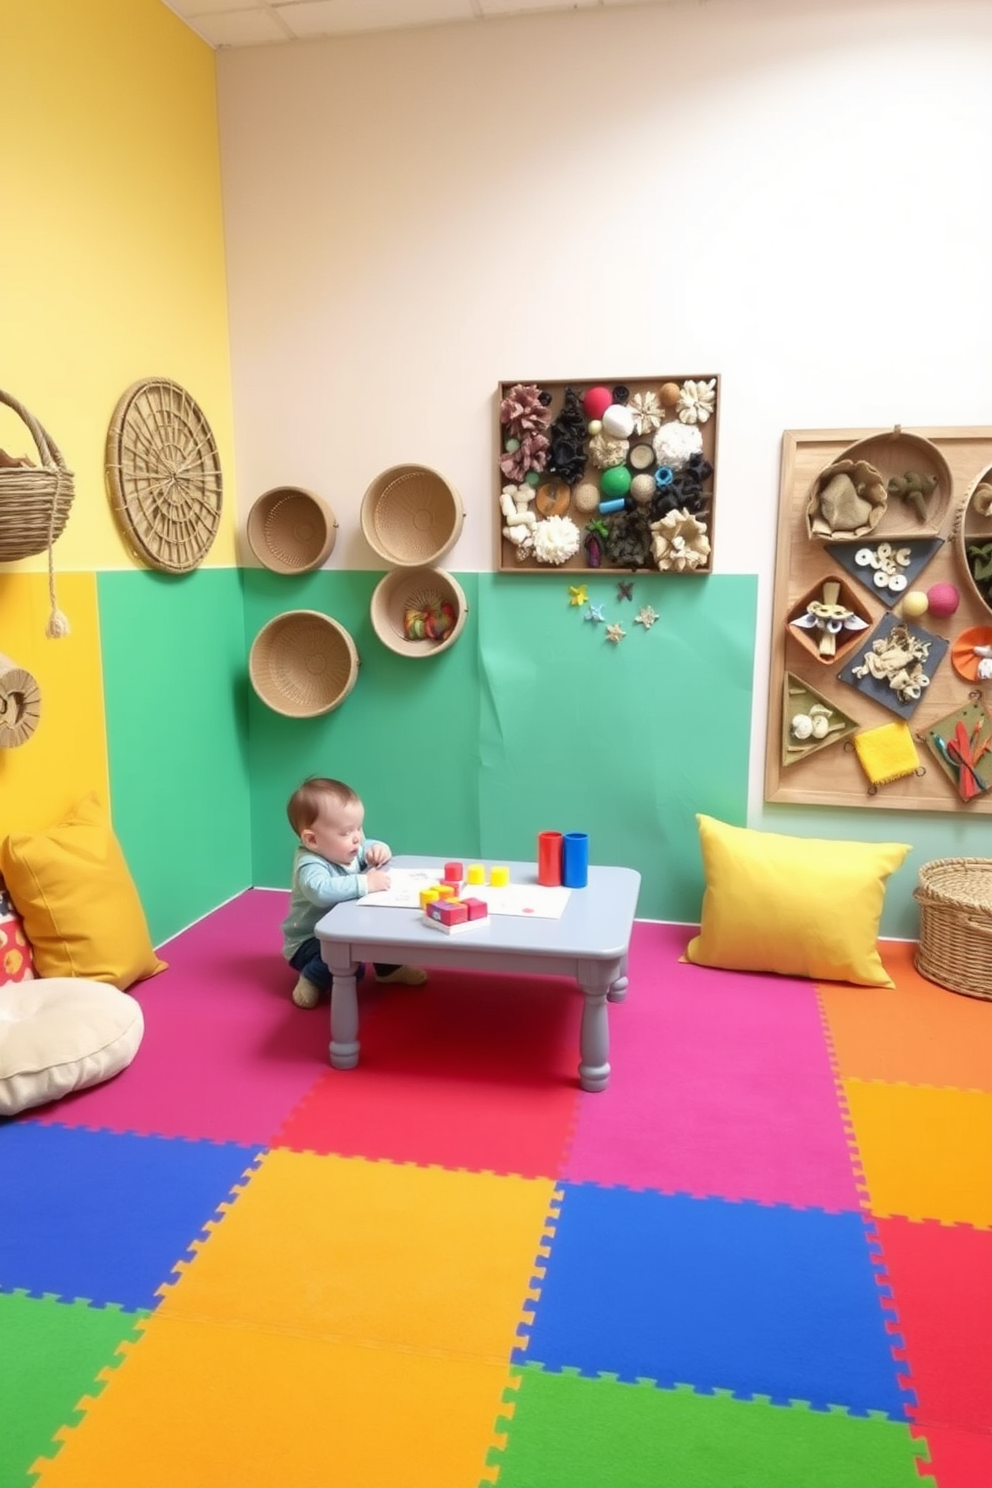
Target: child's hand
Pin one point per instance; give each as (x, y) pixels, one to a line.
(378, 854)
(378, 881)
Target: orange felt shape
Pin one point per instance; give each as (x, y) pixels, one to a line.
(797, 906)
(81, 910)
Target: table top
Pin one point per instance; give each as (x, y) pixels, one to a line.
(594, 925)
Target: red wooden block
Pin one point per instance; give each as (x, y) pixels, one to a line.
(477, 908)
(453, 912)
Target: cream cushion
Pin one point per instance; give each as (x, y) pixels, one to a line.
(59, 1034)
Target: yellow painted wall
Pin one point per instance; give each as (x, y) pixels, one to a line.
(66, 756)
(112, 270)
(111, 248)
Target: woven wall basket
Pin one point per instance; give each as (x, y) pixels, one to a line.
(20, 704)
(411, 515)
(164, 475)
(303, 663)
(34, 499)
(416, 590)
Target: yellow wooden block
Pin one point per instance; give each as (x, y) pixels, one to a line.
(476, 874)
(426, 896)
(499, 877)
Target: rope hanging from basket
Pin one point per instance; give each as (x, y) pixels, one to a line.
(58, 624)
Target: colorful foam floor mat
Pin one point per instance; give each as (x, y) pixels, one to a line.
(761, 1259)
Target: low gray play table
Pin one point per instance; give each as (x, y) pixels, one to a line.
(589, 942)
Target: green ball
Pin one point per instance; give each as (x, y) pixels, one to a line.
(615, 481)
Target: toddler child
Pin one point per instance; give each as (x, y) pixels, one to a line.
(334, 861)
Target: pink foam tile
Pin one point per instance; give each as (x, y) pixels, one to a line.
(721, 1086)
(225, 1054)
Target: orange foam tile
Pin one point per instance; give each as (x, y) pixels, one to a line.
(245, 1407)
(372, 1253)
(924, 1151)
(917, 1032)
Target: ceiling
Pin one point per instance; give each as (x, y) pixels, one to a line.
(239, 23)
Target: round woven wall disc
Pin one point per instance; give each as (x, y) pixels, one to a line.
(164, 475)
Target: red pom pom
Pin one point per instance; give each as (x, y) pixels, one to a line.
(596, 401)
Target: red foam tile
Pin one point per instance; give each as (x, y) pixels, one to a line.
(941, 1279)
(958, 1459)
(722, 1086)
(225, 1055)
(467, 1071)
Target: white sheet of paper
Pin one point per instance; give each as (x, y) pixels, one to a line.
(404, 890)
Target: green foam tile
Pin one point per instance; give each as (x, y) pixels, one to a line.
(565, 1428)
(50, 1357)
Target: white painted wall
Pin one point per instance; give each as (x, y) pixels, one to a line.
(795, 194)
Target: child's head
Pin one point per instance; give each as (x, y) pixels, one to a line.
(327, 817)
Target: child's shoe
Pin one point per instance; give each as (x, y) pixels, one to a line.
(408, 976)
(306, 994)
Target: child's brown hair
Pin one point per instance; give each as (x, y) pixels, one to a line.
(304, 804)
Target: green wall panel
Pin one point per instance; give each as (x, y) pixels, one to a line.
(531, 720)
(627, 741)
(173, 657)
(406, 737)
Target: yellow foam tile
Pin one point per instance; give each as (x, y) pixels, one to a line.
(924, 1150)
(373, 1253)
(212, 1406)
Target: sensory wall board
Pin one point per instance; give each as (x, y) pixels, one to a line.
(640, 498)
(829, 772)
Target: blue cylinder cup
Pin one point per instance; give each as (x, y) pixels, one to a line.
(575, 860)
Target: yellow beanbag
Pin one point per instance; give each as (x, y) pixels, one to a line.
(799, 906)
(81, 911)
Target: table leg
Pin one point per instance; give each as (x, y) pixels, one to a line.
(344, 1020)
(618, 988)
(594, 1038)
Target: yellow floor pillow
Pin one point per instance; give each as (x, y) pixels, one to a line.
(81, 911)
(799, 906)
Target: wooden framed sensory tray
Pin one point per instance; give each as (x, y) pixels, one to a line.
(882, 621)
(612, 473)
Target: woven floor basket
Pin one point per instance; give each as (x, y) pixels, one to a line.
(955, 949)
(34, 499)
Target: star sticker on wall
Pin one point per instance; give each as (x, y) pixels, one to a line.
(577, 594)
(595, 613)
(625, 590)
(615, 634)
(646, 616)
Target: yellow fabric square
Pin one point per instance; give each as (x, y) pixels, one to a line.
(798, 906)
(887, 753)
(81, 911)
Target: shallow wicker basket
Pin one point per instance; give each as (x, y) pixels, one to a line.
(893, 452)
(411, 515)
(415, 588)
(955, 949)
(303, 664)
(291, 530)
(34, 499)
(972, 527)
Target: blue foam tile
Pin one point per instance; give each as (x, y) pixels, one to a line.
(757, 1300)
(103, 1215)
